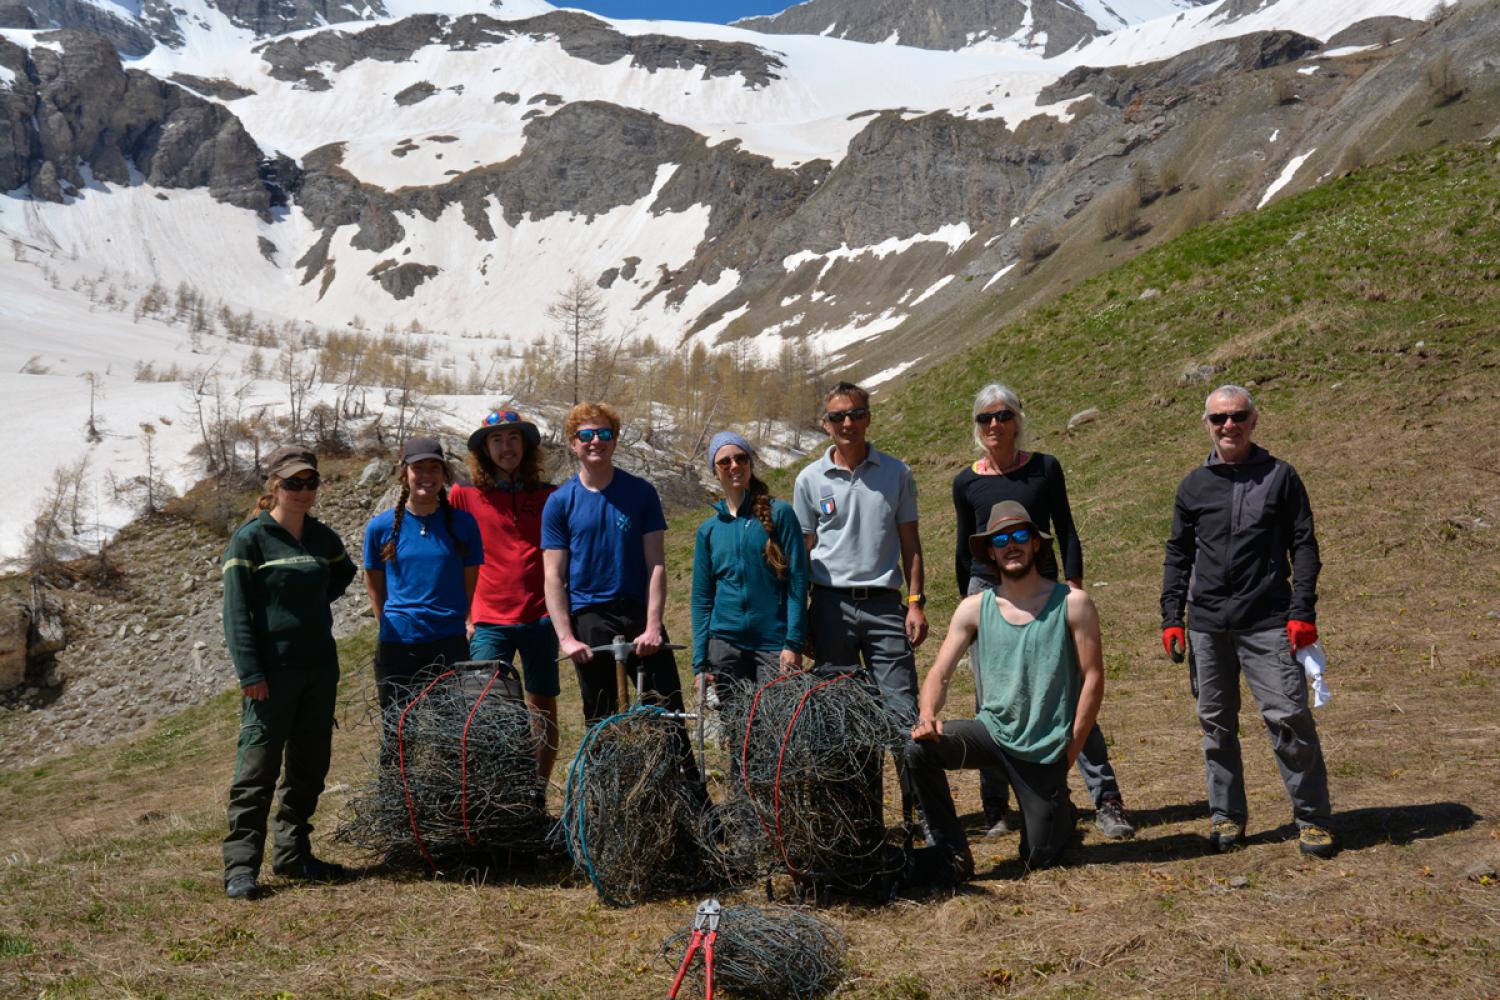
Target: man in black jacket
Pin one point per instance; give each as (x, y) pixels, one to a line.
(1241, 528)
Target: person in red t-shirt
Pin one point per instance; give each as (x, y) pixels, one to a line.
(509, 612)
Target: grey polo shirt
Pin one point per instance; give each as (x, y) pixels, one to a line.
(855, 514)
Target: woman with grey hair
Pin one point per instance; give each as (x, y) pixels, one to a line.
(1007, 471)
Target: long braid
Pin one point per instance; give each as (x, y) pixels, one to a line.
(760, 504)
(388, 551)
(463, 550)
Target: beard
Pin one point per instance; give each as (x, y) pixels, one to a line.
(1028, 564)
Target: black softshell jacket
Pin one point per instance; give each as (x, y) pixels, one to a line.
(1244, 536)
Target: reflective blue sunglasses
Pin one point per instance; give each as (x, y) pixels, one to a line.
(497, 417)
(587, 434)
(1001, 539)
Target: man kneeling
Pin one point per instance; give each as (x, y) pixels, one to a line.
(1040, 675)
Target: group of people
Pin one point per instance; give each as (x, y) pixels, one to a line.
(515, 567)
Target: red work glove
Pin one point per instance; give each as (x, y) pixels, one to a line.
(1172, 635)
(1301, 634)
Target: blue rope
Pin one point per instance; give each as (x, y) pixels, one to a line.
(575, 808)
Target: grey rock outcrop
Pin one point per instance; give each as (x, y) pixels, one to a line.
(224, 90)
(301, 59)
(941, 24)
(1117, 86)
(128, 37)
(400, 280)
(587, 158)
(79, 108)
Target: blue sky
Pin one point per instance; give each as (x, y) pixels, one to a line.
(722, 11)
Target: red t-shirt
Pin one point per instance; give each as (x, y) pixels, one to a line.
(510, 590)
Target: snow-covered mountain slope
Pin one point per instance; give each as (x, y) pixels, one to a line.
(455, 169)
(1040, 27)
(1163, 38)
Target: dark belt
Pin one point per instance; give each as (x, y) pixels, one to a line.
(860, 593)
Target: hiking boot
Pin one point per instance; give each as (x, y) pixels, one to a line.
(312, 869)
(1111, 820)
(1002, 826)
(1226, 835)
(243, 886)
(1316, 842)
(963, 866)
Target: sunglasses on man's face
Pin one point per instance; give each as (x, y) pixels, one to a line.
(298, 485)
(839, 416)
(738, 458)
(1238, 416)
(587, 434)
(1001, 539)
(1004, 416)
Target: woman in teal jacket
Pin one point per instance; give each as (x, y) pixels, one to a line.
(282, 571)
(750, 576)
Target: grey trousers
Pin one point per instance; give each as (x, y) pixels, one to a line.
(731, 665)
(1041, 789)
(1280, 690)
(1093, 759)
(868, 634)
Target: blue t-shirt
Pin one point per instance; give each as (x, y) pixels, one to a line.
(603, 532)
(425, 598)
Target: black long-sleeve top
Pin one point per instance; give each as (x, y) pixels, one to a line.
(1039, 486)
(1238, 532)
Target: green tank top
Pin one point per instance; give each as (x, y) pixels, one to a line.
(1028, 679)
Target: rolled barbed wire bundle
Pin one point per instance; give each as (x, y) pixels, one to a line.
(768, 951)
(634, 823)
(808, 756)
(455, 776)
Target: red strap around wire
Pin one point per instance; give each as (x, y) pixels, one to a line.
(745, 748)
(411, 809)
(781, 760)
(463, 761)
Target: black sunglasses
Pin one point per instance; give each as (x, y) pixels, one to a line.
(839, 416)
(1001, 539)
(298, 485)
(587, 434)
(739, 458)
(1004, 416)
(1238, 416)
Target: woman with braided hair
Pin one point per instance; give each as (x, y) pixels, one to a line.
(422, 560)
(750, 576)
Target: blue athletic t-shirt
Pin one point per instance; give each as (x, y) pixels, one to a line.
(603, 533)
(425, 598)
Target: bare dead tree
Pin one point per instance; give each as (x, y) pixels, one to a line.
(579, 313)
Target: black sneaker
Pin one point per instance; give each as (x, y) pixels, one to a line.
(241, 887)
(1111, 820)
(312, 869)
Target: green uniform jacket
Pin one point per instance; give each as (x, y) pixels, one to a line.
(277, 592)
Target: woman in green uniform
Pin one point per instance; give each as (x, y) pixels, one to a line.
(282, 571)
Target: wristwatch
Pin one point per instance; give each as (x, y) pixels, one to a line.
(920, 600)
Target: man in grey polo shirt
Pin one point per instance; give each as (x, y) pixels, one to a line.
(858, 511)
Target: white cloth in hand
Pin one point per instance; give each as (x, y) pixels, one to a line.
(1314, 660)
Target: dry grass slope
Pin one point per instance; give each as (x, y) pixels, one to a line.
(1364, 314)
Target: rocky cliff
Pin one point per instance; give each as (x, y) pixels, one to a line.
(76, 117)
(1053, 26)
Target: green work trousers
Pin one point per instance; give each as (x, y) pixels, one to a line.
(295, 722)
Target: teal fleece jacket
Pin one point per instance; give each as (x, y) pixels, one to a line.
(736, 595)
(277, 592)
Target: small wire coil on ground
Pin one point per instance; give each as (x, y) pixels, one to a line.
(771, 952)
(455, 776)
(807, 760)
(633, 821)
